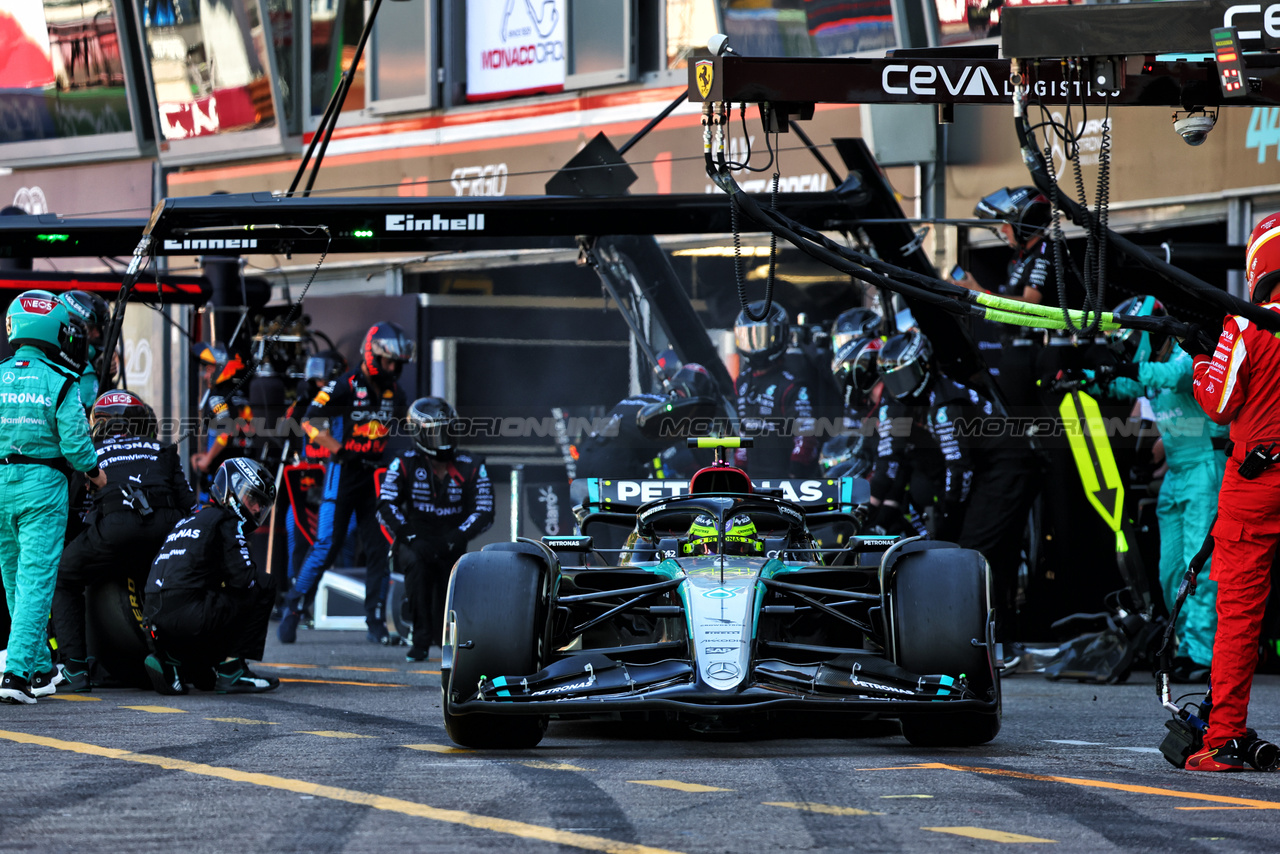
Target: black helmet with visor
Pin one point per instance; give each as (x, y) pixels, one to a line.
(430, 423)
(906, 366)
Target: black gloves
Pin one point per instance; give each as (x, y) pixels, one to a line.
(1198, 342)
(861, 514)
(344, 455)
(1107, 373)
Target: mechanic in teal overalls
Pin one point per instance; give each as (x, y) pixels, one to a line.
(1194, 449)
(44, 436)
(92, 310)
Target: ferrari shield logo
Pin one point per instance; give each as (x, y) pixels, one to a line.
(704, 71)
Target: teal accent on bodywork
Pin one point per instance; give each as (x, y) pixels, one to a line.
(501, 682)
(593, 491)
(772, 568)
(670, 569)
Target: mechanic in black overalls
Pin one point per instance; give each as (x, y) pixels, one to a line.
(990, 477)
(774, 404)
(434, 500)
(352, 417)
(633, 443)
(207, 604)
(1024, 214)
(128, 519)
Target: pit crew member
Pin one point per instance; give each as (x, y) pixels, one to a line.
(434, 500)
(1237, 382)
(45, 437)
(207, 604)
(774, 405)
(351, 418)
(145, 496)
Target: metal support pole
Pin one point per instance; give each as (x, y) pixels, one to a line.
(517, 490)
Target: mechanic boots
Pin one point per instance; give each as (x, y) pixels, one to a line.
(45, 684)
(76, 673)
(15, 689)
(164, 676)
(235, 677)
(1228, 757)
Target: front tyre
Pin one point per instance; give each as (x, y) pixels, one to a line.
(496, 625)
(940, 606)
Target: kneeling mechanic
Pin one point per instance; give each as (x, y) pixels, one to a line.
(145, 497)
(207, 604)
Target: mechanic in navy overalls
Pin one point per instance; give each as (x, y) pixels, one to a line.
(1024, 214)
(434, 500)
(774, 405)
(352, 417)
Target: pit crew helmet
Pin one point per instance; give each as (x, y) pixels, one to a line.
(243, 486)
(386, 341)
(762, 341)
(740, 537)
(92, 311)
(856, 368)
(1136, 345)
(430, 419)
(1262, 259)
(1026, 209)
(853, 324)
(906, 366)
(693, 380)
(119, 412)
(38, 319)
(226, 367)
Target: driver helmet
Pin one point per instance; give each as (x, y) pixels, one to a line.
(906, 366)
(763, 341)
(856, 369)
(92, 311)
(739, 538)
(693, 380)
(430, 419)
(223, 366)
(243, 486)
(1262, 260)
(121, 412)
(1136, 345)
(853, 324)
(38, 319)
(386, 341)
(1025, 209)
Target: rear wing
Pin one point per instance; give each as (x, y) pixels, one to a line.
(816, 495)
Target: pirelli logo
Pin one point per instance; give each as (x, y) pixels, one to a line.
(213, 243)
(408, 222)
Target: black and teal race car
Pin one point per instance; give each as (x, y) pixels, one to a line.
(783, 607)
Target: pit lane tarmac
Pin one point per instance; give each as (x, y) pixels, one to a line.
(350, 754)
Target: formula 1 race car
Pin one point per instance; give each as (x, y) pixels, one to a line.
(726, 599)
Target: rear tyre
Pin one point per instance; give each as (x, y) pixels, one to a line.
(940, 607)
(497, 620)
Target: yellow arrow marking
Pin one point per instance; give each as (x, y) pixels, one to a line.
(989, 835)
(379, 802)
(680, 787)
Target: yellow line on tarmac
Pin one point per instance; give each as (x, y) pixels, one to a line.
(989, 835)
(340, 682)
(680, 787)
(328, 733)
(301, 666)
(157, 710)
(351, 796)
(433, 672)
(79, 698)
(368, 669)
(437, 748)
(551, 766)
(242, 721)
(825, 809)
(1102, 784)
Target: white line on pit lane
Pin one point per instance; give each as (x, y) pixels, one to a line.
(1075, 743)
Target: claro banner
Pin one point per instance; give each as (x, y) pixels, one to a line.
(515, 47)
